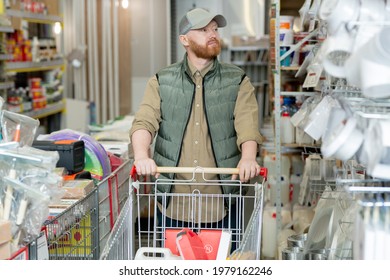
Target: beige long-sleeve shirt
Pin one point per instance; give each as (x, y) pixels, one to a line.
(196, 150)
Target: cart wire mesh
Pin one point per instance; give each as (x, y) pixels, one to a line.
(141, 223)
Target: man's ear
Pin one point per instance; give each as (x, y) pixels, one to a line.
(184, 40)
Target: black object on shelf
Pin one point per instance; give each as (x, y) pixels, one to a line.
(72, 153)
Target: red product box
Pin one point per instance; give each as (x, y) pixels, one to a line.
(216, 242)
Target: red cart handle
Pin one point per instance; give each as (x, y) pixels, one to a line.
(209, 170)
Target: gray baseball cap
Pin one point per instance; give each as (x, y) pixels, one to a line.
(198, 18)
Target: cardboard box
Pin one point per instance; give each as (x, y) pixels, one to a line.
(5, 231)
(61, 206)
(5, 238)
(77, 188)
(5, 250)
(52, 7)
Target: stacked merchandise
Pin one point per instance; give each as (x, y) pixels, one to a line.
(29, 183)
(350, 69)
(41, 177)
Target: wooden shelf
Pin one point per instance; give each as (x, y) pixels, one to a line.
(6, 56)
(6, 29)
(248, 48)
(29, 66)
(290, 68)
(33, 17)
(7, 85)
(50, 109)
(295, 145)
(249, 63)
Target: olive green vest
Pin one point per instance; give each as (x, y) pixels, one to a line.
(220, 88)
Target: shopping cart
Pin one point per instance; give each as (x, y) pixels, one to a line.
(150, 221)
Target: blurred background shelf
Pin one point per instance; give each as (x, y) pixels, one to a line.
(29, 66)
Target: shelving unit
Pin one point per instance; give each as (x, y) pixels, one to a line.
(51, 114)
(34, 17)
(6, 29)
(6, 85)
(50, 109)
(29, 66)
(278, 153)
(280, 74)
(253, 59)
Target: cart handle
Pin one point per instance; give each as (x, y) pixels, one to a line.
(209, 170)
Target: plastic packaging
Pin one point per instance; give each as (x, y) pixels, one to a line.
(149, 253)
(31, 157)
(19, 128)
(27, 186)
(303, 13)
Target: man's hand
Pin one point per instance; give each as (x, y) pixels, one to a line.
(248, 166)
(248, 169)
(146, 166)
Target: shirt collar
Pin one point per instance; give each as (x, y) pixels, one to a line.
(203, 72)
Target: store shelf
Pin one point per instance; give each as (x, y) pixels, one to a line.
(248, 48)
(249, 63)
(6, 85)
(296, 145)
(6, 56)
(34, 66)
(33, 17)
(289, 68)
(298, 93)
(50, 109)
(6, 29)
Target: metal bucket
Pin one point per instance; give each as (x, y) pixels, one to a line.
(297, 240)
(319, 254)
(293, 253)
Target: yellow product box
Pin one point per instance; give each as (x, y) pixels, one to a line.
(77, 188)
(73, 241)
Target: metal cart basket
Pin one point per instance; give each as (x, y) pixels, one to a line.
(150, 220)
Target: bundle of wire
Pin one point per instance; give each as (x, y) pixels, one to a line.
(91, 145)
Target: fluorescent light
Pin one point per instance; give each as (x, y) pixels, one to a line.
(125, 4)
(57, 28)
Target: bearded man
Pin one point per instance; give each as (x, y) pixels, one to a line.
(201, 112)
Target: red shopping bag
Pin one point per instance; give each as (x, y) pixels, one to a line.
(190, 246)
(216, 242)
(170, 240)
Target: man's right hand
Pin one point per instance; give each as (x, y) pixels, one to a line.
(146, 166)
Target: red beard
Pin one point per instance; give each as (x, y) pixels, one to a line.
(210, 51)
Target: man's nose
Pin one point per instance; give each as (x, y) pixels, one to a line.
(213, 33)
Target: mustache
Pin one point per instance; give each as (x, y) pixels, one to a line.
(213, 41)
